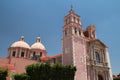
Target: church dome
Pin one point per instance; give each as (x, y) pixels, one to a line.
(21, 43)
(38, 45)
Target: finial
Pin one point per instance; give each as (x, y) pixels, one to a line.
(38, 39)
(71, 10)
(22, 38)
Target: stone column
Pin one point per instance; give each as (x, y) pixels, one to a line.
(109, 65)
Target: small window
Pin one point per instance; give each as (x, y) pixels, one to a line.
(34, 53)
(22, 54)
(75, 30)
(74, 19)
(79, 32)
(97, 57)
(65, 32)
(40, 54)
(13, 54)
(93, 33)
(54, 60)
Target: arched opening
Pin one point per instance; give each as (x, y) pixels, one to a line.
(75, 30)
(40, 54)
(79, 32)
(97, 57)
(34, 53)
(100, 77)
(22, 54)
(14, 53)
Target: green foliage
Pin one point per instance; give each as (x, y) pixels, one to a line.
(48, 72)
(39, 71)
(21, 77)
(116, 79)
(3, 74)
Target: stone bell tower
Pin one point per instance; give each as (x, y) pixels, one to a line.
(73, 45)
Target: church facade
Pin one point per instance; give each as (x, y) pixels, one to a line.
(80, 48)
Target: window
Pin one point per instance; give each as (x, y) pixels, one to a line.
(93, 33)
(75, 30)
(54, 60)
(34, 53)
(22, 54)
(79, 32)
(13, 54)
(40, 54)
(65, 32)
(74, 19)
(97, 57)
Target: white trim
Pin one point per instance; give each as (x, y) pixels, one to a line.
(25, 54)
(20, 53)
(85, 58)
(109, 65)
(16, 52)
(73, 51)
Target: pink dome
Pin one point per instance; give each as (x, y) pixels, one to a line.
(38, 45)
(20, 43)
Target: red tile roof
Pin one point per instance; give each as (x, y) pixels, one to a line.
(44, 58)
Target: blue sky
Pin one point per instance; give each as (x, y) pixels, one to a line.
(31, 18)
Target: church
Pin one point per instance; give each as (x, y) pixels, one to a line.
(80, 48)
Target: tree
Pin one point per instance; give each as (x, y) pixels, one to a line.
(21, 76)
(3, 74)
(39, 71)
(45, 71)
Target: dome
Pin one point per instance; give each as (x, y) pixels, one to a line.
(38, 45)
(20, 43)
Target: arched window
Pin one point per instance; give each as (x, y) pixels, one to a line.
(100, 77)
(14, 53)
(65, 32)
(74, 19)
(22, 54)
(40, 54)
(79, 32)
(97, 57)
(75, 30)
(34, 53)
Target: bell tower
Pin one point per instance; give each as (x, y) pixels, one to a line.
(73, 45)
